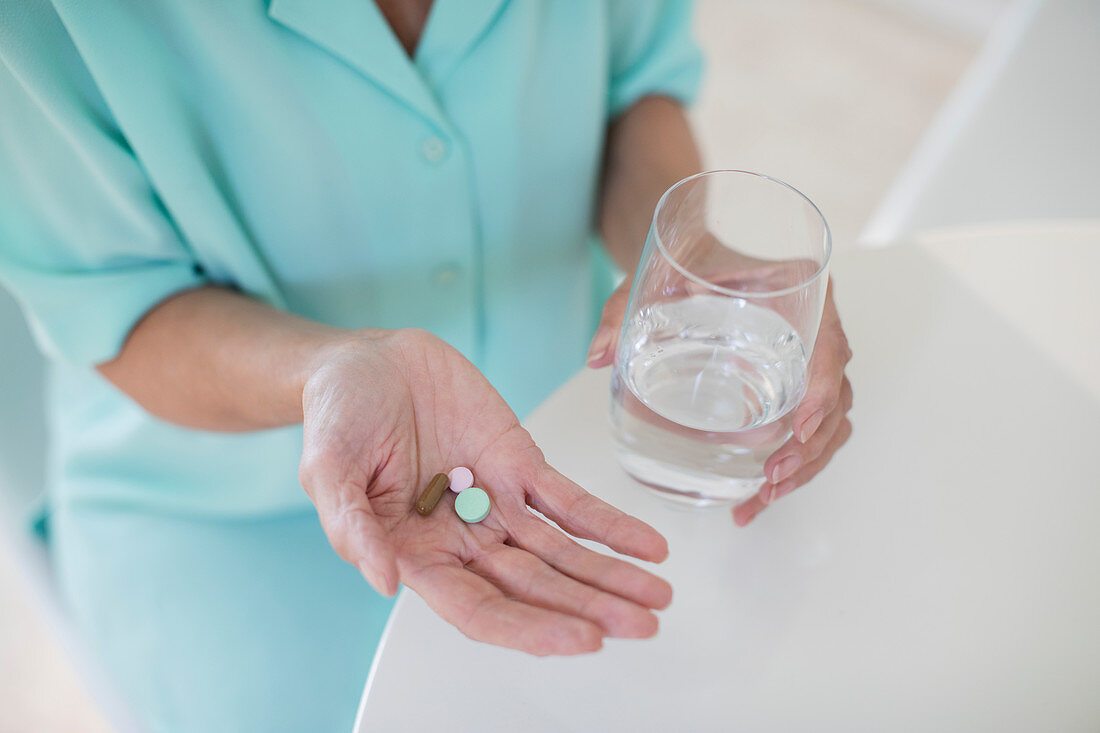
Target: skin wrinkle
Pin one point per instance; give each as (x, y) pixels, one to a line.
(616, 523)
(588, 600)
(558, 557)
(320, 459)
(479, 608)
(380, 466)
(415, 454)
(579, 600)
(572, 508)
(496, 565)
(539, 505)
(532, 582)
(481, 454)
(352, 518)
(481, 566)
(562, 550)
(558, 550)
(496, 528)
(416, 574)
(435, 410)
(570, 511)
(499, 525)
(466, 426)
(473, 543)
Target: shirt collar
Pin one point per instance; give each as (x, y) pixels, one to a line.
(356, 32)
(454, 28)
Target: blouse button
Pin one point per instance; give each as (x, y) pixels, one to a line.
(446, 273)
(433, 149)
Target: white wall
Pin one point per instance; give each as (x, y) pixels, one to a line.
(970, 17)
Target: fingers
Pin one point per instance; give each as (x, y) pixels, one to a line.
(747, 510)
(526, 578)
(483, 612)
(583, 515)
(792, 455)
(831, 354)
(607, 573)
(839, 438)
(349, 521)
(602, 351)
(768, 493)
(358, 537)
(820, 422)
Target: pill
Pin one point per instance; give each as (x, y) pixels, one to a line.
(431, 495)
(472, 505)
(462, 478)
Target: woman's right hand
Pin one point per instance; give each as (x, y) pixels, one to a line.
(386, 410)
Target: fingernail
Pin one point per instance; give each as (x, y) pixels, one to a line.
(810, 426)
(786, 468)
(598, 348)
(740, 518)
(782, 489)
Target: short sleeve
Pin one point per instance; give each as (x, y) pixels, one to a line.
(652, 52)
(85, 245)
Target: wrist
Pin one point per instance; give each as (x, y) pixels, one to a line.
(340, 349)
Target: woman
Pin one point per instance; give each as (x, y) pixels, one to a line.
(291, 245)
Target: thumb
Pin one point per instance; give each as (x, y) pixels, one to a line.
(602, 351)
(357, 536)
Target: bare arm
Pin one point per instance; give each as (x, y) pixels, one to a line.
(649, 148)
(215, 359)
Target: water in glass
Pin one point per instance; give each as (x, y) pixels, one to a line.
(704, 391)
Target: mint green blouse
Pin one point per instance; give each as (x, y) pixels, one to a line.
(292, 150)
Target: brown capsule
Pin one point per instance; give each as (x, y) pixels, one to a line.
(431, 495)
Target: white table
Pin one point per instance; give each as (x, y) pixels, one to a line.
(1017, 138)
(942, 574)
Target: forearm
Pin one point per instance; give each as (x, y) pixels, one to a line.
(215, 359)
(649, 148)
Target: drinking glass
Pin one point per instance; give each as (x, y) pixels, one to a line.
(716, 345)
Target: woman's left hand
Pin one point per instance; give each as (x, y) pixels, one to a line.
(821, 424)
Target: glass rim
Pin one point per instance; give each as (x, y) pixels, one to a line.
(730, 291)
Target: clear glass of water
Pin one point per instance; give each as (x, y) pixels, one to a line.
(716, 345)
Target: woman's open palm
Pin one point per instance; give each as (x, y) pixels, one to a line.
(388, 411)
